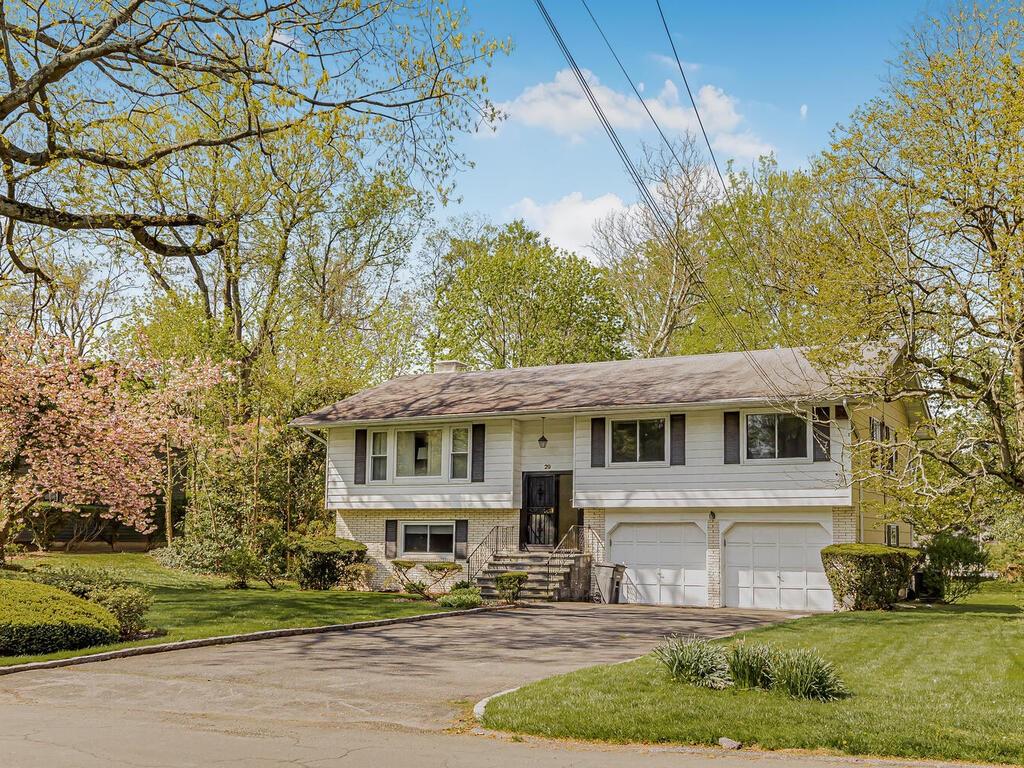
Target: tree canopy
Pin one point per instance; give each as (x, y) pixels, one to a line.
(507, 298)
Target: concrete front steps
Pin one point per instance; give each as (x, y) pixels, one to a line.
(562, 576)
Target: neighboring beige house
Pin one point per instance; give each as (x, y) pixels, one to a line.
(716, 479)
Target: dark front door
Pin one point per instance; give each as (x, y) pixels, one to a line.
(540, 510)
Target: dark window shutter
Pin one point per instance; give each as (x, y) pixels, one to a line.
(390, 539)
(732, 437)
(822, 434)
(597, 427)
(677, 438)
(360, 477)
(461, 539)
(479, 437)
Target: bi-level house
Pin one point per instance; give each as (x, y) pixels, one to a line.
(715, 479)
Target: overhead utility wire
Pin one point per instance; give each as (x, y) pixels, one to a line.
(644, 192)
(707, 140)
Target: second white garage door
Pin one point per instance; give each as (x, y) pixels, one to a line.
(666, 563)
(776, 566)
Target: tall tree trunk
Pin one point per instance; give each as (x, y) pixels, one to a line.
(169, 496)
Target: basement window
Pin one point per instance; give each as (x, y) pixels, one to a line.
(428, 539)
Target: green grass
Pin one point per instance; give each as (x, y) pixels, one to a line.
(187, 606)
(929, 682)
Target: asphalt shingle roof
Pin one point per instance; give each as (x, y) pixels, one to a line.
(693, 379)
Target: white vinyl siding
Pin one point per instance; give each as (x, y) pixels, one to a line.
(556, 456)
(705, 480)
(495, 492)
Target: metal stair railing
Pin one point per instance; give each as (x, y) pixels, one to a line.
(581, 539)
(501, 538)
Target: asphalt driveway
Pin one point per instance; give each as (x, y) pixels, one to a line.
(419, 676)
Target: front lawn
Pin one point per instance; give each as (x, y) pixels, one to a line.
(187, 606)
(928, 682)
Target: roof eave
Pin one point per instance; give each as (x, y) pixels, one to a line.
(581, 411)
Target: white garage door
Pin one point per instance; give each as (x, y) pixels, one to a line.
(776, 566)
(666, 562)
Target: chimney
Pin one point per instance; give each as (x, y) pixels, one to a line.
(450, 366)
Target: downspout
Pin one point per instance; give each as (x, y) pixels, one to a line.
(860, 483)
(327, 457)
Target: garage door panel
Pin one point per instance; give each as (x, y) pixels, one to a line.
(819, 599)
(776, 566)
(666, 561)
(765, 557)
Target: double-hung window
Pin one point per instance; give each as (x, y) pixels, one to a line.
(459, 455)
(418, 453)
(379, 456)
(428, 539)
(776, 436)
(638, 440)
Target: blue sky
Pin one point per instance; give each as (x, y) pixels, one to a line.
(768, 76)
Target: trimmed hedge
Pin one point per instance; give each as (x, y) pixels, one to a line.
(37, 618)
(866, 577)
(320, 561)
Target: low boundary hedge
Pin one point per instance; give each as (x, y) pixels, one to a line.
(867, 577)
(37, 618)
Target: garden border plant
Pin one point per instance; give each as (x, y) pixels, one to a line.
(799, 673)
(437, 570)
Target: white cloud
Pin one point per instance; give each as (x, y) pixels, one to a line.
(803, 111)
(569, 221)
(668, 61)
(560, 107)
(741, 146)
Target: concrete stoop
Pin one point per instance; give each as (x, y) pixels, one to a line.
(560, 576)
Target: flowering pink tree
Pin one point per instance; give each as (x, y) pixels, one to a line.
(74, 432)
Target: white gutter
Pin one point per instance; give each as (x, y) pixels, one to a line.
(309, 431)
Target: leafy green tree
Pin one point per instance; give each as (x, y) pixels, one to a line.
(507, 298)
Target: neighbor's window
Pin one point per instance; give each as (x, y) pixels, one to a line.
(460, 453)
(776, 436)
(638, 440)
(419, 453)
(428, 538)
(379, 456)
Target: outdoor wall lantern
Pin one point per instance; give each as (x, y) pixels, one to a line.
(542, 441)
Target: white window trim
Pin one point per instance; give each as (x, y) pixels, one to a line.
(425, 556)
(388, 469)
(414, 479)
(444, 478)
(469, 453)
(639, 417)
(808, 459)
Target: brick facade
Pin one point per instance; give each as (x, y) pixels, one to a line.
(714, 565)
(844, 525)
(367, 526)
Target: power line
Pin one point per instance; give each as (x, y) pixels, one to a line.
(646, 195)
(707, 141)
